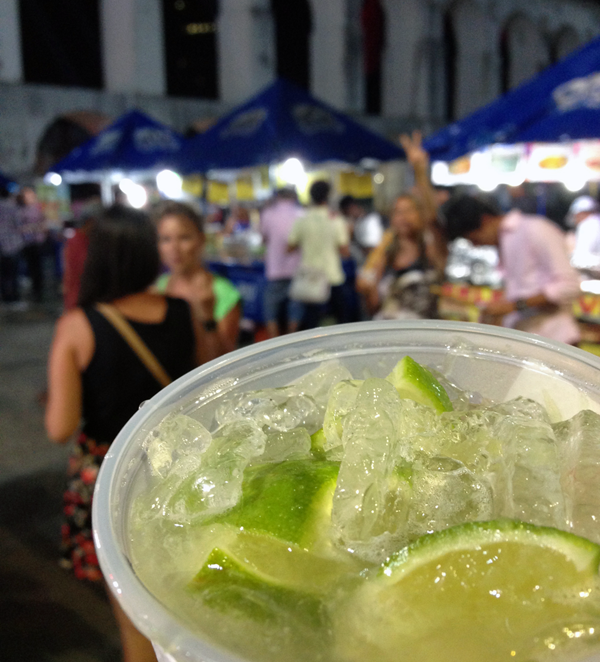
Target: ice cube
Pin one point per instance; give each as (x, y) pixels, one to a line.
(579, 447)
(175, 435)
(531, 455)
(317, 384)
(287, 445)
(341, 402)
(445, 493)
(460, 398)
(195, 489)
(272, 409)
(368, 503)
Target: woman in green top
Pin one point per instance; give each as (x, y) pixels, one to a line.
(214, 299)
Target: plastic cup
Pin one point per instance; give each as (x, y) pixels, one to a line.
(498, 363)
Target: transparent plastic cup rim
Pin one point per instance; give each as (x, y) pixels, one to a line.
(147, 613)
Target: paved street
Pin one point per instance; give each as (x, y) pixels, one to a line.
(45, 614)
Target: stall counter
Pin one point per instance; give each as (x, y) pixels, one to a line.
(462, 301)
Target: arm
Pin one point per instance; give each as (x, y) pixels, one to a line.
(64, 406)
(202, 303)
(495, 311)
(207, 341)
(229, 329)
(367, 281)
(437, 246)
(375, 263)
(419, 160)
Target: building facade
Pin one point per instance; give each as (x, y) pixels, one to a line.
(393, 64)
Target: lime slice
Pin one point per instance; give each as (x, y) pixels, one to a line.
(472, 537)
(290, 501)
(478, 591)
(415, 382)
(225, 585)
(279, 564)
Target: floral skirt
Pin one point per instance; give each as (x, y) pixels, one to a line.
(77, 549)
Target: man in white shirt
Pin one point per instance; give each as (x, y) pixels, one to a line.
(323, 239)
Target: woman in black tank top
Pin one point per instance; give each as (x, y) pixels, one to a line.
(97, 382)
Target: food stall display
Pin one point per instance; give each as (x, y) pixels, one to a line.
(573, 164)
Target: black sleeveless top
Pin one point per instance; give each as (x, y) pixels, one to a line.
(116, 382)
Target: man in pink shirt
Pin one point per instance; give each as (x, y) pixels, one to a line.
(276, 222)
(540, 284)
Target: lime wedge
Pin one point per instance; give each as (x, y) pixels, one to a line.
(290, 501)
(230, 583)
(478, 591)
(279, 564)
(415, 382)
(472, 537)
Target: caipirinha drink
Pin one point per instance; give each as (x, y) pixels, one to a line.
(369, 517)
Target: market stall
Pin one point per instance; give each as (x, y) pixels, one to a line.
(282, 135)
(131, 151)
(463, 302)
(545, 131)
(561, 104)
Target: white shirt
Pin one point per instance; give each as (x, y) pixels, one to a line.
(319, 234)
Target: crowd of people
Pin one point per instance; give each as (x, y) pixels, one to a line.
(25, 240)
(142, 308)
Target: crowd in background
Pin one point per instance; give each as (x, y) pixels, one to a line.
(331, 261)
(142, 308)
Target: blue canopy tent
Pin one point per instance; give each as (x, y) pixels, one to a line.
(133, 143)
(283, 121)
(562, 103)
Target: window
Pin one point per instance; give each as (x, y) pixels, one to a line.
(61, 42)
(293, 24)
(373, 28)
(190, 28)
(450, 65)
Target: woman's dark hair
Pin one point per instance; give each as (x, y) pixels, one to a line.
(174, 208)
(122, 256)
(319, 192)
